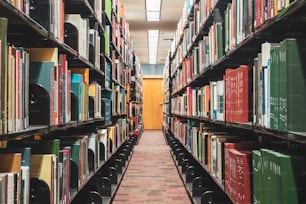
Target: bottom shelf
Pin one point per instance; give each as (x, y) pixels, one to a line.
(199, 185)
(103, 185)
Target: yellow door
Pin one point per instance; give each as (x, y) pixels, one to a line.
(152, 102)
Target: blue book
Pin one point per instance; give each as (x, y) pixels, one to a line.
(40, 74)
(76, 88)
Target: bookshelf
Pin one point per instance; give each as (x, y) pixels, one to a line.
(65, 69)
(135, 100)
(233, 94)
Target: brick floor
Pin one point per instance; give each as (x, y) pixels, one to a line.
(151, 176)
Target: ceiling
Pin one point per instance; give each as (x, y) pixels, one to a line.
(135, 12)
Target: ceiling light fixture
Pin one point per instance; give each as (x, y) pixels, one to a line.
(153, 10)
(153, 44)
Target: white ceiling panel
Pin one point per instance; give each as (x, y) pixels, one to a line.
(135, 12)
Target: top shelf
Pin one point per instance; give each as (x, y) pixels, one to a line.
(26, 32)
(288, 20)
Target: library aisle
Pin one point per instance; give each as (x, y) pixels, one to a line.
(151, 176)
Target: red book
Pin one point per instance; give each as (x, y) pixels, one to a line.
(18, 90)
(242, 94)
(68, 99)
(59, 88)
(52, 119)
(189, 98)
(207, 99)
(228, 94)
(62, 20)
(191, 68)
(228, 162)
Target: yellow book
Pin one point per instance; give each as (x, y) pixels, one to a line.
(43, 55)
(43, 167)
(10, 162)
(92, 90)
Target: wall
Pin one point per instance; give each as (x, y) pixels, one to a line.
(152, 69)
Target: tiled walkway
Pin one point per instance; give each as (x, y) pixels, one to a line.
(151, 176)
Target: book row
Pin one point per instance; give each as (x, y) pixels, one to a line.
(135, 97)
(240, 19)
(119, 100)
(38, 79)
(269, 93)
(248, 171)
(59, 166)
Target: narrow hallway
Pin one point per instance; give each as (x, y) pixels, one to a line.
(151, 176)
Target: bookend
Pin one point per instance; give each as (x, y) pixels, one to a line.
(39, 191)
(214, 197)
(74, 176)
(92, 53)
(103, 185)
(71, 37)
(109, 172)
(74, 107)
(91, 107)
(102, 151)
(201, 185)
(94, 197)
(40, 11)
(91, 160)
(39, 106)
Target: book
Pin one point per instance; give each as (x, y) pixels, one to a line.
(11, 163)
(24, 171)
(77, 89)
(103, 143)
(82, 27)
(292, 96)
(275, 87)
(43, 167)
(3, 74)
(42, 75)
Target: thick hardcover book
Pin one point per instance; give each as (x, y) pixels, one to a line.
(294, 61)
(242, 175)
(257, 176)
(274, 87)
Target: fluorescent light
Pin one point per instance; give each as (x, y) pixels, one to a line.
(153, 15)
(153, 5)
(153, 10)
(153, 44)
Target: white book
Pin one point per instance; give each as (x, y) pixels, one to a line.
(265, 64)
(103, 138)
(220, 100)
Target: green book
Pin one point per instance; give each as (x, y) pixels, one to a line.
(257, 177)
(219, 40)
(273, 177)
(106, 40)
(296, 87)
(290, 167)
(108, 8)
(283, 87)
(274, 87)
(3, 75)
(267, 178)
